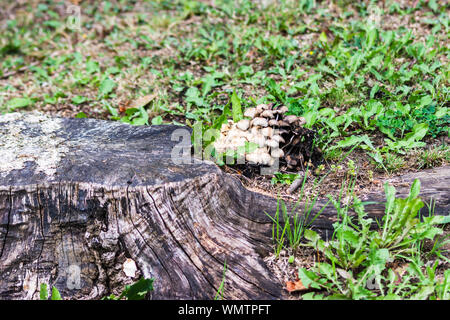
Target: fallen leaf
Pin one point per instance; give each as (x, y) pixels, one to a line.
(399, 272)
(143, 101)
(295, 286)
(122, 108)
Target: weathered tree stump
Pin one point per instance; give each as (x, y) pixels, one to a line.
(81, 197)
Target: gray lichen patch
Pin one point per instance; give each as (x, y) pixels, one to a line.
(33, 138)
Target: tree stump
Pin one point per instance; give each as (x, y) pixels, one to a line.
(81, 197)
(88, 206)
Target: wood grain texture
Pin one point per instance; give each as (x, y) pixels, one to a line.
(111, 194)
(78, 197)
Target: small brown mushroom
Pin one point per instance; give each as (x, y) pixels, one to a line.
(290, 119)
(281, 123)
(283, 109)
(267, 114)
(301, 121)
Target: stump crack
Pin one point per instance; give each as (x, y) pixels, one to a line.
(8, 221)
(179, 244)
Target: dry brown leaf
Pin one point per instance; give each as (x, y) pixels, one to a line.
(295, 286)
(143, 101)
(399, 272)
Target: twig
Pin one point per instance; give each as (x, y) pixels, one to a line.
(11, 73)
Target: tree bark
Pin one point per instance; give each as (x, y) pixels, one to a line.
(83, 199)
(78, 197)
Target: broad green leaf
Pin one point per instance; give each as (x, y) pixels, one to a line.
(43, 292)
(157, 120)
(308, 278)
(81, 115)
(55, 294)
(425, 101)
(19, 103)
(138, 290)
(323, 37)
(311, 235)
(441, 112)
(418, 132)
(106, 87)
(236, 107)
(390, 197)
(79, 99)
(415, 189)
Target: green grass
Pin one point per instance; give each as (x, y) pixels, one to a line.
(360, 73)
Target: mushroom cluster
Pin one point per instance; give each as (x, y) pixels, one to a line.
(275, 134)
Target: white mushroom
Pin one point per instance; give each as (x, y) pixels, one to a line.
(261, 107)
(259, 156)
(238, 142)
(266, 159)
(272, 143)
(258, 139)
(267, 114)
(254, 131)
(225, 127)
(234, 132)
(278, 138)
(267, 132)
(250, 112)
(283, 109)
(277, 153)
(220, 147)
(273, 122)
(243, 124)
(261, 122)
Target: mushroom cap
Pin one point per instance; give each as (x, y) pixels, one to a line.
(254, 131)
(261, 122)
(259, 156)
(282, 123)
(259, 139)
(301, 120)
(250, 112)
(277, 153)
(290, 119)
(278, 138)
(283, 109)
(261, 107)
(272, 143)
(273, 122)
(243, 125)
(225, 128)
(267, 114)
(267, 132)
